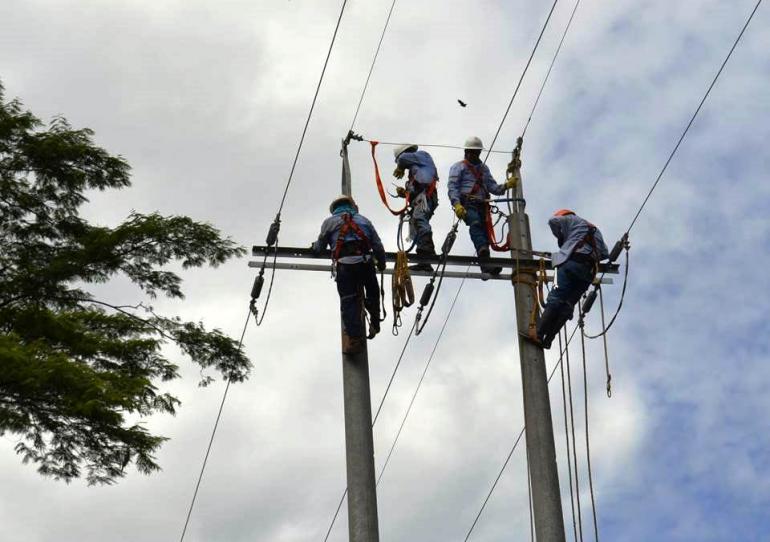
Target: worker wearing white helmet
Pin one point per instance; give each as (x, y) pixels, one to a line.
(420, 189)
(470, 184)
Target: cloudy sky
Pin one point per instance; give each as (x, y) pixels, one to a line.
(207, 100)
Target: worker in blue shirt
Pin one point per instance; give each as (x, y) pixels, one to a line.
(420, 188)
(581, 248)
(470, 184)
(355, 245)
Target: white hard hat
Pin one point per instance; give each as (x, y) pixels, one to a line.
(403, 148)
(339, 200)
(474, 143)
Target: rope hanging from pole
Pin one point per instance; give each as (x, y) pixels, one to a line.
(401, 288)
(581, 323)
(566, 440)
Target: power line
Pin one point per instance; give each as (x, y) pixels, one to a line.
(521, 79)
(668, 161)
(434, 145)
(276, 226)
(692, 119)
(211, 440)
(422, 377)
(312, 106)
(371, 68)
(513, 449)
(553, 61)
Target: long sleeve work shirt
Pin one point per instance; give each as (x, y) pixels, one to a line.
(422, 170)
(571, 232)
(462, 180)
(330, 230)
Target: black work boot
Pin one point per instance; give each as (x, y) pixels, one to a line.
(483, 254)
(424, 251)
(550, 323)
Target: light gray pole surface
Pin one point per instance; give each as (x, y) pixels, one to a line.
(546, 498)
(359, 446)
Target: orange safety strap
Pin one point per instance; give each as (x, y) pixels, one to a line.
(380, 188)
(347, 226)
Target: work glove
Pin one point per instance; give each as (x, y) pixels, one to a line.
(460, 210)
(398, 173)
(381, 265)
(511, 183)
(316, 250)
(401, 192)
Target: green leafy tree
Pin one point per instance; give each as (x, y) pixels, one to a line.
(79, 373)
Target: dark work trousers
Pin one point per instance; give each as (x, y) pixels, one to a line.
(573, 280)
(350, 278)
(476, 218)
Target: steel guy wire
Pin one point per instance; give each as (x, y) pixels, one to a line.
(515, 444)
(692, 119)
(213, 434)
(371, 68)
(553, 61)
(521, 80)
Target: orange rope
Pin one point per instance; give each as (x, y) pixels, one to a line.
(496, 246)
(380, 188)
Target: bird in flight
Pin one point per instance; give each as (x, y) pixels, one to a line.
(462, 103)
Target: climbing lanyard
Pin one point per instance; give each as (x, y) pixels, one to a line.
(380, 188)
(402, 289)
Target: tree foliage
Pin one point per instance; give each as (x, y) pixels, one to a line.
(77, 371)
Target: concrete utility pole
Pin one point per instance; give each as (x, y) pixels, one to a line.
(546, 497)
(359, 446)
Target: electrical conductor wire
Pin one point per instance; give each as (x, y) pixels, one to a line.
(211, 440)
(371, 68)
(692, 119)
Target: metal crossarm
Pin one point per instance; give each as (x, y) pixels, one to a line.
(525, 261)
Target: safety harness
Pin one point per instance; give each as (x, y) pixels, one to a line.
(593, 258)
(477, 187)
(362, 247)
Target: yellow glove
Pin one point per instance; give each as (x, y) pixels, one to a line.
(460, 210)
(511, 183)
(398, 173)
(400, 192)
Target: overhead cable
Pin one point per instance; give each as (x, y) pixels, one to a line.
(521, 79)
(211, 439)
(371, 68)
(312, 106)
(692, 119)
(429, 145)
(513, 449)
(553, 61)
